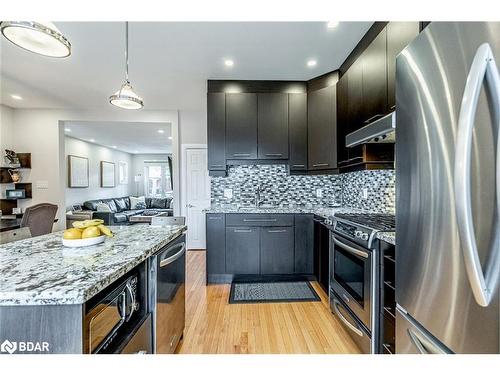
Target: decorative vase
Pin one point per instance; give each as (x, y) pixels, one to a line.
(15, 175)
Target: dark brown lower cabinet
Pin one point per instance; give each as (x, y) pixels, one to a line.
(242, 250)
(276, 250)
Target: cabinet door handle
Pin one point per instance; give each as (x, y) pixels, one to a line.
(394, 106)
(274, 154)
(321, 165)
(215, 218)
(277, 231)
(373, 118)
(241, 154)
(242, 231)
(298, 165)
(217, 165)
(259, 220)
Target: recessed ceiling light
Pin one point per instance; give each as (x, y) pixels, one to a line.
(161, 131)
(67, 130)
(311, 63)
(16, 97)
(136, 151)
(113, 146)
(92, 140)
(169, 137)
(332, 24)
(228, 62)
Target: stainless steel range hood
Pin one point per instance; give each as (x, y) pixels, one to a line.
(380, 131)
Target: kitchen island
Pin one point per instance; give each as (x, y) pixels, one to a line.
(46, 288)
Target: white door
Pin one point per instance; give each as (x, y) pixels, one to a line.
(197, 196)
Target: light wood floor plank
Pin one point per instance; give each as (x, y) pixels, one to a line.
(215, 326)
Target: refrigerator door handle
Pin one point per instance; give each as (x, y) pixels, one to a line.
(423, 345)
(483, 67)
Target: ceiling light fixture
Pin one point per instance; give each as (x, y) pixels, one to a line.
(311, 63)
(332, 24)
(43, 38)
(161, 131)
(228, 62)
(92, 140)
(169, 137)
(16, 97)
(113, 146)
(67, 130)
(126, 97)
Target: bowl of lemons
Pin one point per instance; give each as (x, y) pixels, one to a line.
(86, 233)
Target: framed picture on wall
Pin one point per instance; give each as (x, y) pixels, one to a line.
(107, 174)
(78, 172)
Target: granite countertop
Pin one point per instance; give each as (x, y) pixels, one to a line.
(389, 237)
(41, 271)
(319, 211)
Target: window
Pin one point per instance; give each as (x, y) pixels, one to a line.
(157, 179)
(123, 172)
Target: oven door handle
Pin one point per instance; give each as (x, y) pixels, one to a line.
(350, 249)
(349, 325)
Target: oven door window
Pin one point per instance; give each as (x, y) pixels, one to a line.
(349, 272)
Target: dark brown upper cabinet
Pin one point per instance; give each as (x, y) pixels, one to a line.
(272, 115)
(297, 131)
(241, 126)
(322, 129)
(342, 118)
(355, 96)
(399, 35)
(374, 77)
(216, 131)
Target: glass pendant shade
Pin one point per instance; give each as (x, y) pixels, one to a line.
(126, 98)
(43, 38)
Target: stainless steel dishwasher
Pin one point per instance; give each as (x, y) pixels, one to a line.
(167, 295)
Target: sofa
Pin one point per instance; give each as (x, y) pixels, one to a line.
(121, 211)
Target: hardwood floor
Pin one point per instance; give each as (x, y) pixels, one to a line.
(214, 326)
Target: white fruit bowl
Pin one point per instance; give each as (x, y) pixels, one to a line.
(84, 242)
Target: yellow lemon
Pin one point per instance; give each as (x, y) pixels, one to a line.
(91, 232)
(105, 230)
(72, 234)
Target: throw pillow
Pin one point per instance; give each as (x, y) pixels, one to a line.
(140, 206)
(158, 202)
(102, 207)
(135, 200)
(171, 203)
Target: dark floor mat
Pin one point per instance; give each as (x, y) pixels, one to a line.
(272, 291)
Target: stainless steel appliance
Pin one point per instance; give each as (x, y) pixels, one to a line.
(380, 130)
(354, 275)
(112, 315)
(448, 175)
(167, 295)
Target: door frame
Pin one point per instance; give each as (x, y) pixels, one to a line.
(183, 154)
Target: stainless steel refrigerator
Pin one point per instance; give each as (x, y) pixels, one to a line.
(448, 181)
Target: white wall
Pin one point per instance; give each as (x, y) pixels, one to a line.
(193, 126)
(138, 169)
(40, 131)
(6, 120)
(96, 154)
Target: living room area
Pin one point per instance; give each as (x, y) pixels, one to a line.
(119, 172)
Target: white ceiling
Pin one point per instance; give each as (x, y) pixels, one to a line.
(170, 61)
(131, 137)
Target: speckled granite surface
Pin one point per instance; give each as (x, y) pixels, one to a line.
(389, 237)
(41, 271)
(320, 211)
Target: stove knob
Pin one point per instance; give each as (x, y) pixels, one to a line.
(358, 234)
(364, 236)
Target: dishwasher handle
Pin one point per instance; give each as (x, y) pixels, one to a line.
(166, 261)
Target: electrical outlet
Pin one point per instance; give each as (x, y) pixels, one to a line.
(319, 193)
(228, 193)
(365, 193)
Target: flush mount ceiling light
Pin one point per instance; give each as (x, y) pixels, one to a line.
(126, 97)
(228, 62)
(43, 38)
(161, 131)
(332, 24)
(311, 63)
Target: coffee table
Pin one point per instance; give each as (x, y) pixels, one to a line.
(145, 219)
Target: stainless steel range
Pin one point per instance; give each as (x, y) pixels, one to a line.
(354, 273)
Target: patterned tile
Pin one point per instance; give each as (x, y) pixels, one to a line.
(278, 187)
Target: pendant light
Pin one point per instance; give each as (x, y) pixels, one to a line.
(43, 38)
(126, 97)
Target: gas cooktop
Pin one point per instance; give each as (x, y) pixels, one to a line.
(375, 222)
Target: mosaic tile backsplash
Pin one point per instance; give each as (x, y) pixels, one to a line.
(278, 188)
